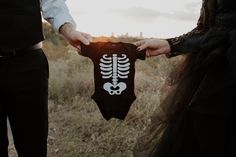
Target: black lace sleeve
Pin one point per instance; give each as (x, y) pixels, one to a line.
(190, 41)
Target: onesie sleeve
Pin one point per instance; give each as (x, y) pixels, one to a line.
(89, 50)
(141, 54)
(84, 50)
(138, 54)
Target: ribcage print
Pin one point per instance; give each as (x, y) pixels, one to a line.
(114, 67)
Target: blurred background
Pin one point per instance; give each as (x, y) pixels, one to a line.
(151, 18)
(76, 126)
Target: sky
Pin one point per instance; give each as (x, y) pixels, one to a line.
(155, 18)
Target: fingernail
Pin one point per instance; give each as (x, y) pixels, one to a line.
(87, 43)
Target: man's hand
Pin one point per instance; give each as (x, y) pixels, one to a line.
(74, 37)
(154, 47)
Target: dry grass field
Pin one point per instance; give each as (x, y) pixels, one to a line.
(76, 126)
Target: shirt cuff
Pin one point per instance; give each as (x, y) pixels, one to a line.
(56, 13)
(61, 19)
(173, 51)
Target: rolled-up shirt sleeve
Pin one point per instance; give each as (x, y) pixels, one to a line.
(56, 13)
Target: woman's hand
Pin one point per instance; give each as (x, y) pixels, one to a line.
(154, 47)
(75, 38)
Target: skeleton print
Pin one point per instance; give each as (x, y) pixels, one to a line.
(114, 68)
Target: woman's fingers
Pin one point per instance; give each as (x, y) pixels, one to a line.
(148, 43)
(156, 52)
(150, 52)
(143, 46)
(84, 39)
(154, 47)
(139, 43)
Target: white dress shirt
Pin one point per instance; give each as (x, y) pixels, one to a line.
(56, 13)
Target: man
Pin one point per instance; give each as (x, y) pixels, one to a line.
(24, 71)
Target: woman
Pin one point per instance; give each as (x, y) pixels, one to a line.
(197, 116)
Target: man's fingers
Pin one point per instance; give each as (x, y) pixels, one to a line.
(88, 36)
(83, 39)
(79, 50)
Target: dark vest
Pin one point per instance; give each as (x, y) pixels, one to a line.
(20, 23)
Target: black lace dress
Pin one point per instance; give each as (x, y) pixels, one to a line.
(197, 117)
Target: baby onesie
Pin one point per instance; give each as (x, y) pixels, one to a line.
(114, 70)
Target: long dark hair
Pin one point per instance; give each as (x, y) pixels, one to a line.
(181, 84)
